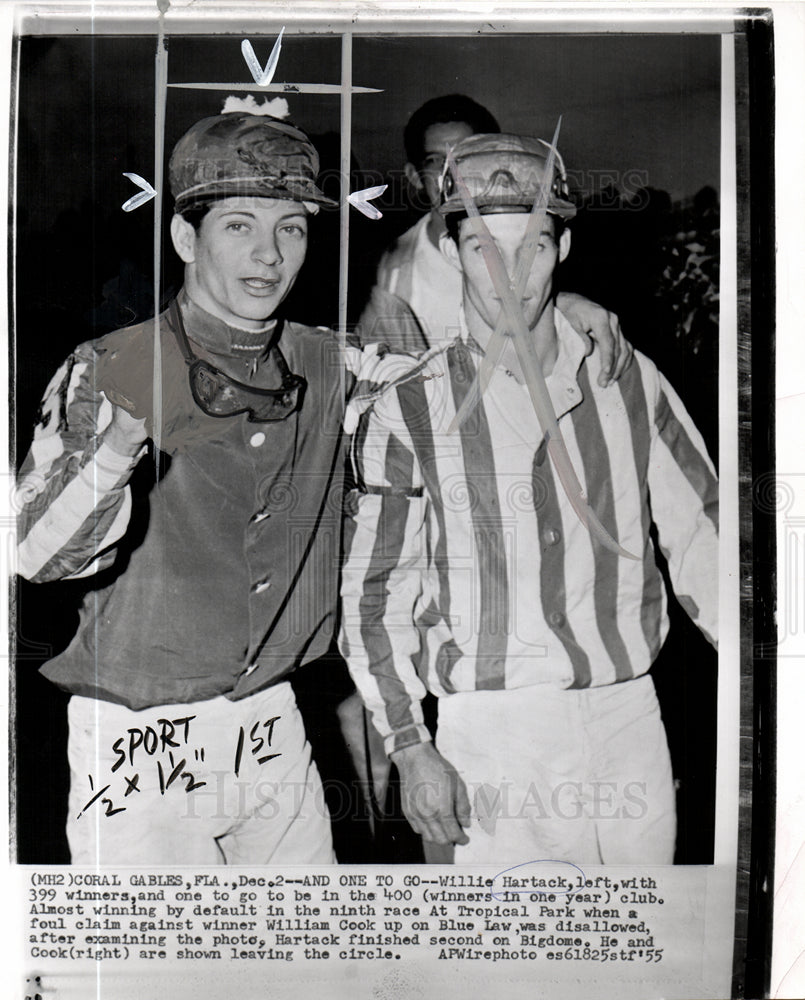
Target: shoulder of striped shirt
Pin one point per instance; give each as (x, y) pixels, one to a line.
(641, 366)
(650, 374)
(645, 362)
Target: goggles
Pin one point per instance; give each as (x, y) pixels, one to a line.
(220, 395)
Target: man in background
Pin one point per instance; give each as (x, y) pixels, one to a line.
(415, 299)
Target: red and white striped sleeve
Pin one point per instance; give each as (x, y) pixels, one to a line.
(386, 549)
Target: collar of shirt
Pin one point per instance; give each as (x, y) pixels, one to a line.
(563, 385)
(213, 334)
(242, 354)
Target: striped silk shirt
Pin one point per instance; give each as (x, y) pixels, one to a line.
(466, 567)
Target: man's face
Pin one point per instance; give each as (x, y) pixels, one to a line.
(244, 258)
(508, 230)
(437, 139)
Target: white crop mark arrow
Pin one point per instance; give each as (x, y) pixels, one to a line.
(361, 199)
(262, 77)
(144, 196)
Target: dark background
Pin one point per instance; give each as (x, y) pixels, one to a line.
(641, 140)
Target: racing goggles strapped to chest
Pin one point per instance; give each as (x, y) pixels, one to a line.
(220, 395)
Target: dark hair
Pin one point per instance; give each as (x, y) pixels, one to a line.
(438, 111)
(195, 214)
(453, 221)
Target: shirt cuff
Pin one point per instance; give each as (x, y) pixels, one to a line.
(104, 472)
(408, 737)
